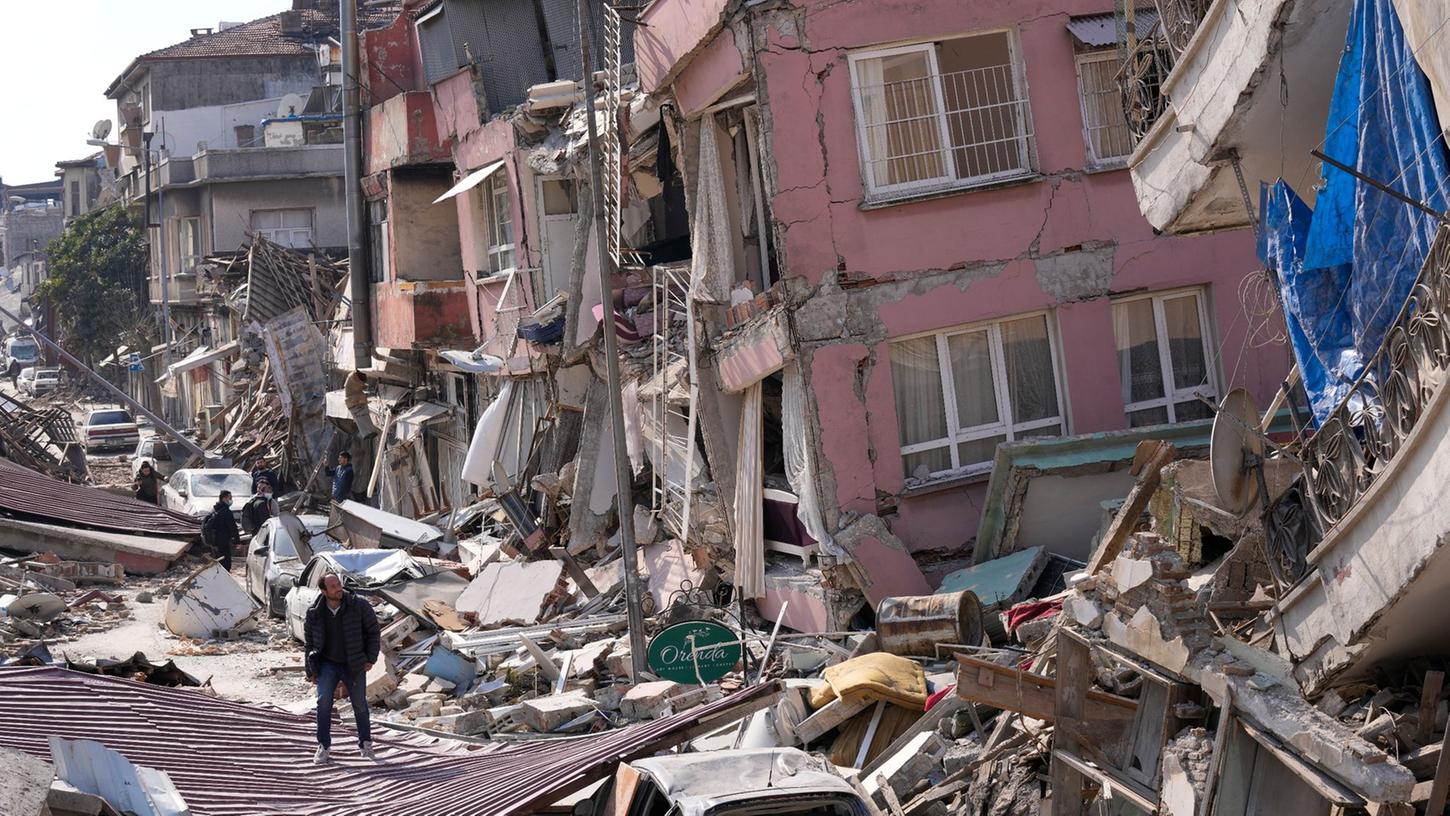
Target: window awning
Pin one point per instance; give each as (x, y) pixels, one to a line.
(410, 422)
(469, 181)
(203, 355)
(1097, 30)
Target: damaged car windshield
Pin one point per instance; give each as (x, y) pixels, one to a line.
(212, 484)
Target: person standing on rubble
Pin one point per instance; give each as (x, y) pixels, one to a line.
(342, 477)
(147, 484)
(220, 529)
(341, 637)
(259, 508)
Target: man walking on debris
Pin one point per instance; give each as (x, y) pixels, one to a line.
(220, 529)
(259, 508)
(342, 477)
(341, 637)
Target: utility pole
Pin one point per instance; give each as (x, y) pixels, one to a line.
(359, 288)
(623, 501)
(125, 398)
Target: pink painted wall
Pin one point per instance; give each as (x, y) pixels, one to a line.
(827, 234)
(715, 70)
(390, 61)
(403, 130)
(423, 312)
(671, 31)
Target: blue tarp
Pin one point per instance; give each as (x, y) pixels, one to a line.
(1346, 276)
(1313, 300)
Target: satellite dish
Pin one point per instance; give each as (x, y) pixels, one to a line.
(100, 130)
(291, 105)
(1233, 441)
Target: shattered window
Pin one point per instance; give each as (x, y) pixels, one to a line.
(942, 115)
(962, 392)
(1163, 360)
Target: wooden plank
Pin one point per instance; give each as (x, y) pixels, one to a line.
(546, 663)
(830, 716)
(892, 801)
(1031, 694)
(1220, 748)
(1441, 786)
(1429, 704)
(1139, 796)
(571, 566)
(1074, 673)
(1133, 506)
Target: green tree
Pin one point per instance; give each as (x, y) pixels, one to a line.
(89, 278)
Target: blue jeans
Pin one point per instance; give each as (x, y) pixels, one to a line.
(328, 676)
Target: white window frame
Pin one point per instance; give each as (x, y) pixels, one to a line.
(490, 192)
(188, 262)
(285, 236)
(948, 181)
(1172, 395)
(1003, 426)
(1095, 161)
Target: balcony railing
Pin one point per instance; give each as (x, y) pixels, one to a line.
(1356, 445)
(1141, 79)
(1178, 20)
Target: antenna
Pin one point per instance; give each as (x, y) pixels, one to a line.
(1234, 451)
(100, 130)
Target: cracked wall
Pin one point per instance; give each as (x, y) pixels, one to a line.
(1064, 241)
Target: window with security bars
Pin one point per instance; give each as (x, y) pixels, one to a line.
(942, 115)
(962, 391)
(1163, 357)
(1105, 127)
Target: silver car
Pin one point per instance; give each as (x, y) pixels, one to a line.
(280, 549)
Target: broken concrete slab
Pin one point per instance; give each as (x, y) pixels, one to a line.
(545, 714)
(1001, 582)
(892, 570)
(512, 592)
(648, 701)
(143, 555)
(382, 680)
(206, 602)
(24, 783)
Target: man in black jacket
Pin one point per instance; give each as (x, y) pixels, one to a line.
(220, 529)
(341, 639)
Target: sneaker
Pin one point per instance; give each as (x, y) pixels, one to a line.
(367, 751)
(322, 757)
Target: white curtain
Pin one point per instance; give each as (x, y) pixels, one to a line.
(483, 449)
(871, 88)
(712, 265)
(750, 500)
(633, 433)
(800, 459)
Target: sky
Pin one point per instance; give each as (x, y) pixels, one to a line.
(60, 55)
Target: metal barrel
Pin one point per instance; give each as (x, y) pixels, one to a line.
(915, 624)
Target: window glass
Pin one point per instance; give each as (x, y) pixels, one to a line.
(916, 378)
(1104, 123)
(974, 385)
(1026, 353)
(1138, 351)
(1157, 334)
(1185, 341)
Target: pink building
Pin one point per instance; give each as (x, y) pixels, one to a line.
(945, 209)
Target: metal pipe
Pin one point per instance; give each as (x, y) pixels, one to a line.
(623, 501)
(362, 307)
(122, 396)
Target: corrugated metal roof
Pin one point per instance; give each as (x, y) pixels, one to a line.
(1102, 29)
(230, 759)
(35, 496)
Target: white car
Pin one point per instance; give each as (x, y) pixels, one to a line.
(281, 548)
(358, 568)
(162, 455)
(36, 381)
(110, 428)
(194, 491)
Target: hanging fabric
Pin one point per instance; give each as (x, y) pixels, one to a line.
(750, 500)
(712, 265)
(800, 460)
